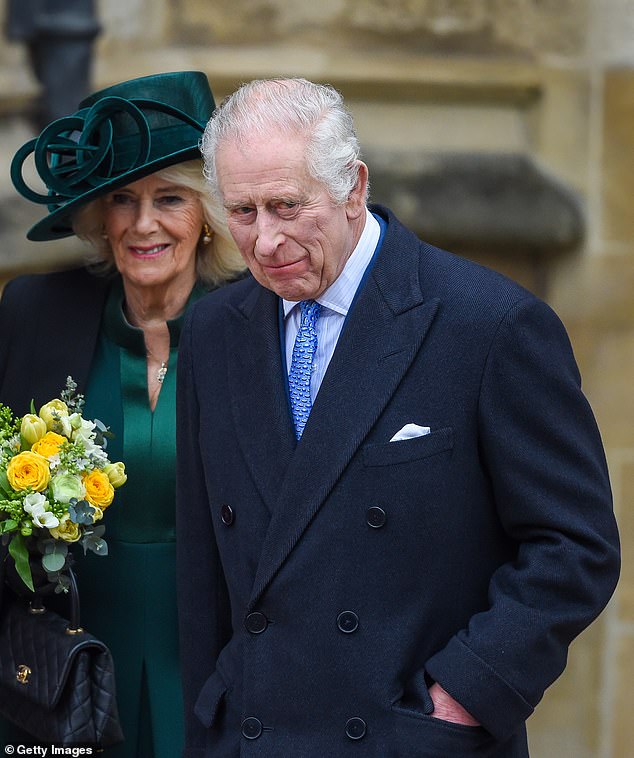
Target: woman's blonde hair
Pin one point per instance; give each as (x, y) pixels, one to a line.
(216, 262)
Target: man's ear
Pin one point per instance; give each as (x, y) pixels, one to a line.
(355, 204)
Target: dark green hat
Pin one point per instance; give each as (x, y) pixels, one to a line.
(118, 135)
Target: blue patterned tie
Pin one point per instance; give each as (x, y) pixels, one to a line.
(302, 364)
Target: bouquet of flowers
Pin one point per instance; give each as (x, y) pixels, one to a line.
(56, 481)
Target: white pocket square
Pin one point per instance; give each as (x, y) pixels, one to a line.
(409, 431)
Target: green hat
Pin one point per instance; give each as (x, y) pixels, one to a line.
(118, 135)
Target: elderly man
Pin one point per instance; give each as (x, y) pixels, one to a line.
(394, 510)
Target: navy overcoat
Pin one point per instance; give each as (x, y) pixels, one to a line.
(324, 585)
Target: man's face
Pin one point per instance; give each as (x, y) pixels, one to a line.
(292, 236)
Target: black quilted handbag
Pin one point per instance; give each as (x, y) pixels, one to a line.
(56, 680)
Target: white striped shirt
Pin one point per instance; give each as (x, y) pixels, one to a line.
(335, 303)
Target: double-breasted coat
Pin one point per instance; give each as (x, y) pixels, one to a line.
(325, 584)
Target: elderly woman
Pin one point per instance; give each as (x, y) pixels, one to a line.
(124, 173)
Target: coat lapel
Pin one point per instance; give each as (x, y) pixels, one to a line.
(383, 334)
(260, 408)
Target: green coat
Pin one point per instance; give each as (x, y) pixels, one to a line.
(128, 598)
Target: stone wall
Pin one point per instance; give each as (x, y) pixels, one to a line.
(501, 128)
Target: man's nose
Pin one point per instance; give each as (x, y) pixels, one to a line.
(268, 235)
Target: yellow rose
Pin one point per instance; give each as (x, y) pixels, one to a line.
(32, 428)
(51, 410)
(116, 473)
(49, 444)
(67, 530)
(28, 469)
(99, 491)
(98, 514)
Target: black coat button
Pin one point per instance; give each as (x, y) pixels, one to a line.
(251, 728)
(256, 622)
(355, 728)
(376, 517)
(348, 622)
(226, 514)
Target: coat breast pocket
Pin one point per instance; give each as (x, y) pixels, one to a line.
(405, 451)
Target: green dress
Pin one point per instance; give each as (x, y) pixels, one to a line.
(128, 598)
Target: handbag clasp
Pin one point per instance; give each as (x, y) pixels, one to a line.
(23, 673)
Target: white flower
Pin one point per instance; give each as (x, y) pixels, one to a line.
(66, 427)
(82, 430)
(98, 457)
(75, 420)
(36, 504)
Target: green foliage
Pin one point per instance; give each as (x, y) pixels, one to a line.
(81, 512)
(9, 425)
(73, 399)
(54, 558)
(18, 551)
(92, 540)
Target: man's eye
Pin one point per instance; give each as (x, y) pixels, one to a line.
(287, 208)
(242, 210)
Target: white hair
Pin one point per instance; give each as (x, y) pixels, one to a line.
(294, 107)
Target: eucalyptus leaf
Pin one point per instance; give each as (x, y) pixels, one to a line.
(63, 584)
(20, 555)
(96, 544)
(53, 547)
(53, 562)
(82, 512)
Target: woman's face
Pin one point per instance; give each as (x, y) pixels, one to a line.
(153, 227)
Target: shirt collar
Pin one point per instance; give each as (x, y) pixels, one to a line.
(339, 296)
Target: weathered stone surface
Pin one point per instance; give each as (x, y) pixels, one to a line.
(621, 716)
(559, 126)
(613, 24)
(624, 491)
(464, 26)
(596, 290)
(565, 724)
(469, 201)
(618, 155)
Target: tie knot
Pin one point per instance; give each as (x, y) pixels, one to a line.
(310, 310)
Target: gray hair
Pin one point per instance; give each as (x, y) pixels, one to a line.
(290, 106)
(216, 262)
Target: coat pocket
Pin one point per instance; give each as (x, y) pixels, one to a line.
(436, 737)
(389, 453)
(209, 699)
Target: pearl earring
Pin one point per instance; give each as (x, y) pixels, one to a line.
(206, 233)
